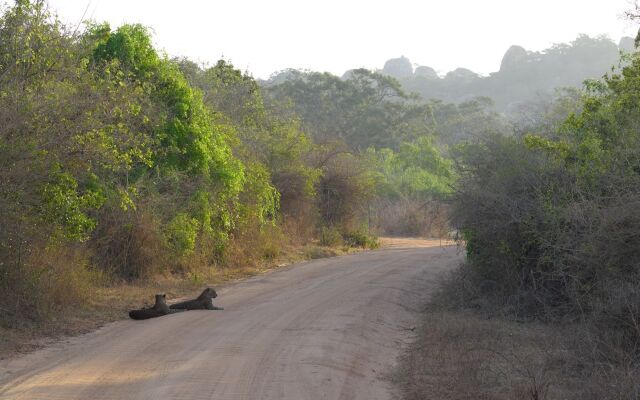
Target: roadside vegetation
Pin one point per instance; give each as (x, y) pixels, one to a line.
(547, 302)
(124, 171)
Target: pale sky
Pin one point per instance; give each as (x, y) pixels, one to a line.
(263, 36)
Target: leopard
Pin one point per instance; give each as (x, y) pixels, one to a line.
(202, 302)
(159, 309)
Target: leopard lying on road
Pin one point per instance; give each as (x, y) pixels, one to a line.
(203, 302)
(159, 309)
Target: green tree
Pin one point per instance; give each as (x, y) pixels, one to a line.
(368, 109)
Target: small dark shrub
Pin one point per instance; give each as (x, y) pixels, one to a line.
(129, 244)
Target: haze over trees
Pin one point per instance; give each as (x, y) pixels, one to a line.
(524, 76)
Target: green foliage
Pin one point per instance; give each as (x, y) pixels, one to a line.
(182, 233)
(417, 169)
(65, 206)
(368, 109)
(604, 132)
(189, 139)
(402, 163)
(260, 197)
(235, 95)
(130, 45)
(32, 43)
(272, 146)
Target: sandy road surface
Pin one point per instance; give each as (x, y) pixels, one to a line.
(327, 329)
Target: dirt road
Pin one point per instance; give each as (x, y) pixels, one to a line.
(326, 329)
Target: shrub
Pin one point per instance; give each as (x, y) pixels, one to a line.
(182, 233)
(344, 188)
(49, 280)
(360, 238)
(546, 241)
(330, 236)
(410, 217)
(129, 243)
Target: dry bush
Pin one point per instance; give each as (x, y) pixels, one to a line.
(295, 200)
(607, 381)
(410, 217)
(48, 280)
(42, 274)
(464, 357)
(299, 230)
(360, 238)
(601, 346)
(343, 191)
(298, 219)
(253, 245)
(337, 198)
(459, 355)
(614, 325)
(298, 210)
(129, 244)
(543, 243)
(315, 252)
(330, 237)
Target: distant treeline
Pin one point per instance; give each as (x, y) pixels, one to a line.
(524, 76)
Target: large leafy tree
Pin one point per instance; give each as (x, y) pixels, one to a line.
(190, 140)
(367, 109)
(268, 139)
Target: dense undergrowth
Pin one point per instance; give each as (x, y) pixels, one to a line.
(549, 219)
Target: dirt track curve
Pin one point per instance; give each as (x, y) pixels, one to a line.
(326, 329)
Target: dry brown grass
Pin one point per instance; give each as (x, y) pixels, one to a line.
(459, 355)
(410, 217)
(104, 304)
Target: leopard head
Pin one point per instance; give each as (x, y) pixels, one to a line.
(161, 299)
(208, 293)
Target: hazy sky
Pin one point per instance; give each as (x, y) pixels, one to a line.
(264, 36)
